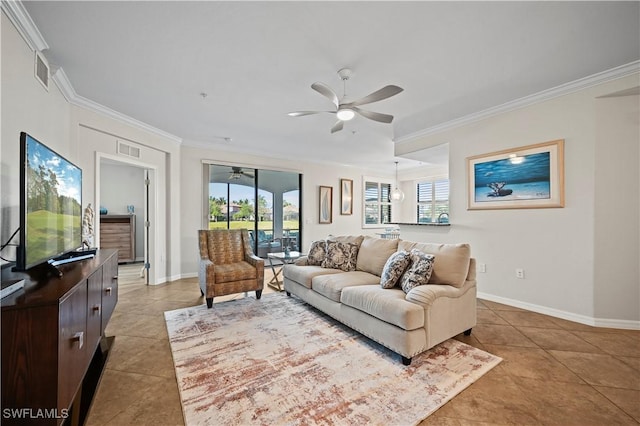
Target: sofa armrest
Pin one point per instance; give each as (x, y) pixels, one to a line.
(302, 261)
(425, 295)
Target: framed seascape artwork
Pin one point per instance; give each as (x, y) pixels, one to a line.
(326, 204)
(346, 196)
(528, 177)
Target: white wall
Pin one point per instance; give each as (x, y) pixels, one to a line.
(314, 175)
(98, 138)
(617, 207)
(559, 249)
(122, 185)
(81, 136)
(26, 107)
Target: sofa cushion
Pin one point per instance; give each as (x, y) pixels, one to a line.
(373, 254)
(394, 268)
(388, 305)
(419, 271)
(303, 274)
(452, 261)
(317, 253)
(331, 286)
(341, 256)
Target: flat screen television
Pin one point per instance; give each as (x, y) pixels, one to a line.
(50, 204)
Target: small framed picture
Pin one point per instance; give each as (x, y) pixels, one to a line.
(326, 204)
(346, 196)
(528, 177)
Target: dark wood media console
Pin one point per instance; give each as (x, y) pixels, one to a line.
(53, 339)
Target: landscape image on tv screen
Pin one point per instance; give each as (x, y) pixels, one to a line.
(53, 205)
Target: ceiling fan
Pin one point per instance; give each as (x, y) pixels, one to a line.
(345, 111)
(237, 172)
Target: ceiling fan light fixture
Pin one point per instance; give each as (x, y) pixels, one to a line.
(345, 114)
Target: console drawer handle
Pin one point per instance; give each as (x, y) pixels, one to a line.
(107, 290)
(115, 277)
(78, 337)
(96, 308)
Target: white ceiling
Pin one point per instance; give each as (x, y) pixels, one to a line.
(256, 61)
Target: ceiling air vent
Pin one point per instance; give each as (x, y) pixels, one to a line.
(128, 150)
(42, 70)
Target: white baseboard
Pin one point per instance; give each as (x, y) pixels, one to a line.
(582, 319)
(174, 277)
(159, 281)
(189, 275)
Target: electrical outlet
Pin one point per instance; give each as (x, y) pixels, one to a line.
(483, 267)
(520, 273)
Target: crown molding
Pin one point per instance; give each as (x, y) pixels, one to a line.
(62, 81)
(545, 95)
(20, 18)
(64, 84)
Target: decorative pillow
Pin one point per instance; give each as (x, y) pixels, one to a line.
(317, 253)
(452, 261)
(419, 272)
(394, 268)
(341, 256)
(356, 239)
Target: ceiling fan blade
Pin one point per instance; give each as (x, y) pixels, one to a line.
(326, 91)
(378, 95)
(338, 126)
(301, 113)
(375, 116)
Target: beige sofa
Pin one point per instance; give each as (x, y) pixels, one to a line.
(408, 324)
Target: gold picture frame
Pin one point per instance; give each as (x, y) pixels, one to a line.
(346, 196)
(325, 213)
(527, 177)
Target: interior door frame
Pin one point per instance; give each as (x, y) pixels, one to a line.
(150, 213)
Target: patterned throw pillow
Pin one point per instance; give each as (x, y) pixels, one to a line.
(317, 253)
(394, 268)
(419, 272)
(341, 256)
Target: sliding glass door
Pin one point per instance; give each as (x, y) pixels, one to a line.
(265, 202)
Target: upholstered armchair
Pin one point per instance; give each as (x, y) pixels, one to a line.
(227, 264)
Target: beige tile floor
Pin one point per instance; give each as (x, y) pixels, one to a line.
(554, 372)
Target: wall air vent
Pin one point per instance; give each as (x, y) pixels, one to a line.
(41, 70)
(128, 150)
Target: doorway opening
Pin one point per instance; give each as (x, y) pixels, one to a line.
(125, 198)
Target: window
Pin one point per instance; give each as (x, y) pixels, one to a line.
(377, 204)
(433, 200)
(266, 202)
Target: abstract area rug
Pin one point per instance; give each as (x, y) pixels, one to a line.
(279, 361)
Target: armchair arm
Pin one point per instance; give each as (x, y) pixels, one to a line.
(206, 271)
(254, 260)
